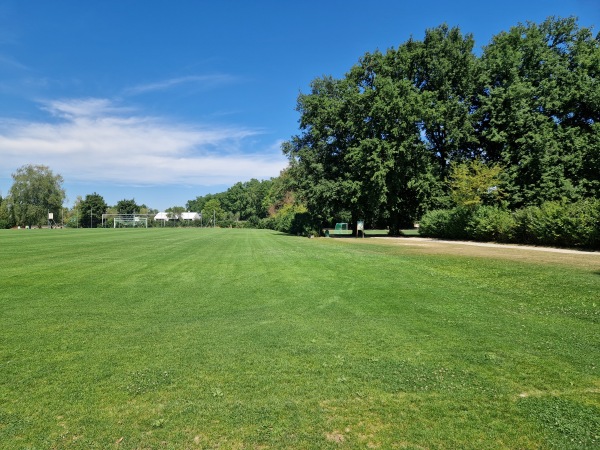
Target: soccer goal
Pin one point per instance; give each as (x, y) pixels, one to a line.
(125, 220)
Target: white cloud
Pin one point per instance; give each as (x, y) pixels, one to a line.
(94, 140)
(205, 80)
(10, 62)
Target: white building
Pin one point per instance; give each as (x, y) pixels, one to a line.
(190, 216)
(183, 216)
(165, 216)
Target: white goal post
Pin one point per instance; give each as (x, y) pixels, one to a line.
(126, 220)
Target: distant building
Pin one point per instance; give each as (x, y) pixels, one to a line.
(165, 216)
(183, 216)
(190, 216)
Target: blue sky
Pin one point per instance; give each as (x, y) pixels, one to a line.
(163, 101)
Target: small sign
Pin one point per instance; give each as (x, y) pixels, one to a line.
(50, 216)
(360, 225)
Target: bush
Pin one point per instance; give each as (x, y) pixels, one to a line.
(293, 219)
(490, 223)
(564, 225)
(446, 223)
(582, 223)
(526, 228)
(553, 223)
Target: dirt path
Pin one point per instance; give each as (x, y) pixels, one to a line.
(584, 259)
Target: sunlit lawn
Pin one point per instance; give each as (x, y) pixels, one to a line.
(204, 338)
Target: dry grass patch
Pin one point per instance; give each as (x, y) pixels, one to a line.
(521, 253)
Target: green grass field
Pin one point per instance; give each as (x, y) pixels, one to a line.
(209, 338)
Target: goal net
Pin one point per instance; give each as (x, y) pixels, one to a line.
(125, 220)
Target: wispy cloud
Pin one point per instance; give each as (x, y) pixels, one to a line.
(97, 140)
(12, 63)
(206, 81)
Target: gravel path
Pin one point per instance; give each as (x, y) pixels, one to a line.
(408, 240)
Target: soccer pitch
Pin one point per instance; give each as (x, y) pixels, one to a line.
(210, 338)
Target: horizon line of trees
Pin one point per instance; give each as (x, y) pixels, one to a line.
(37, 192)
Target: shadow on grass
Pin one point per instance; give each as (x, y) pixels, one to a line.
(350, 235)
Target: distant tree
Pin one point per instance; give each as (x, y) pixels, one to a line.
(127, 207)
(280, 192)
(35, 192)
(6, 218)
(212, 209)
(197, 205)
(146, 210)
(91, 209)
(245, 200)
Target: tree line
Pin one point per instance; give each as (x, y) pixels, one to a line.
(433, 126)
(37, 194)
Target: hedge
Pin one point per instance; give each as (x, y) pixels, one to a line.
(558, 224)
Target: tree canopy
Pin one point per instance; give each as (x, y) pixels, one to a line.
(36, 191)
(379, 143)
(127, 206)
(91, 209)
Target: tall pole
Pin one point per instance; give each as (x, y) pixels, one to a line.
(91, 209)
(214, 222)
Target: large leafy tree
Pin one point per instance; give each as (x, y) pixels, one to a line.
(91, 209)
(392, 166)
(446, 72)
(371, 142)
(540, 107)
(6, 218)
(319, 155)
(36, 191)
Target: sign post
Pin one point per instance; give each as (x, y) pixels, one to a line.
(360, 226)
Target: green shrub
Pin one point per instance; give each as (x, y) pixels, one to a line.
(490, 223)
(553, 223)
(560, 224)
(526, 228)
(446, 223)
(293, 219)
(581, 223)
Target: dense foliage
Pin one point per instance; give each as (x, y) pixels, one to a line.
(90, 210)
(243, 204)
(561, 224)
(127, 206)
(380, 143)
(36, 192)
